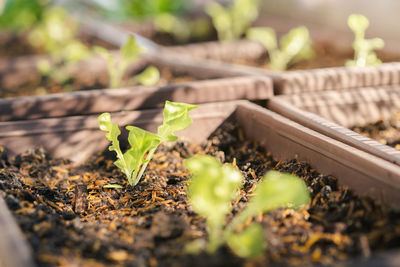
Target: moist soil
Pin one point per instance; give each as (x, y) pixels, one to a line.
(386, 132)
(14, 45)
(326, 55)
(70, 219)
(36, 84)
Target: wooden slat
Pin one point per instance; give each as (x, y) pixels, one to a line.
(14, 250)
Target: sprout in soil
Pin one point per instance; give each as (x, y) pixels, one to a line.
(143, 143)
(57, 35)
(364, 54)
(212, 189)
(181, 29)
(129, 53)
(294, 46)
(233, 21)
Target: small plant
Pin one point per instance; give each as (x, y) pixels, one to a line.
(129, 53)
(143, 143)
(294, 46)
(214, 186)
(181, 29)
(364, 54)
(57, 35)
(232, 22)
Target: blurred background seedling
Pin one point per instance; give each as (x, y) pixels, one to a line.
(129, 53)
(293, 47)
(214, 186)
(231, 22)
(364, 49)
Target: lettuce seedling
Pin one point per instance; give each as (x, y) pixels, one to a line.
(143, 143)
(181, 29)
(294, 46)
(232, 22)
(364, 54)
(129, 53)
(214, 186)
(58, 36)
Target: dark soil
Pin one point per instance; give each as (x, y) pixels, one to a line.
(386, 132)
(70, 219)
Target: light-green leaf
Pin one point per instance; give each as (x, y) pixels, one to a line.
(278, 190)
(249, 243)
(112, 134)
(293, 47)
(130, 51)
(150, 76)
(358, 24)
(213, 187)
(210, 193)
(264, 35)
(141, 142)
(231, 22)
(176, 117)
(364, 54)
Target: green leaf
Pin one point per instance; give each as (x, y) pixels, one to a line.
(278, 190)
(141, 142)
(150, 76)
(296, 41)
(358, 24)
(221, 20)
(44, 66)
(364, 54)
(212, 188)
(231, 22)
(104, 54)
(112, 134)
(264, 35)
(130, 51)
(294, 46)
(249, 243)
(176, 117)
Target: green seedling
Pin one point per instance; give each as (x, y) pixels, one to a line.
(57, 35)
(214, 186)
(143, 143)
(233, 21)
(129, 53)
(293, 47)
(180, 29)
(364, 54)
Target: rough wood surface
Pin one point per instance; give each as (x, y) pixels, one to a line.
(14, 250)
(333, 112)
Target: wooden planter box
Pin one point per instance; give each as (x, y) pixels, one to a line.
(333, 112)
(282, 18)
(285, 139)
(289, 82)
(129, 98)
